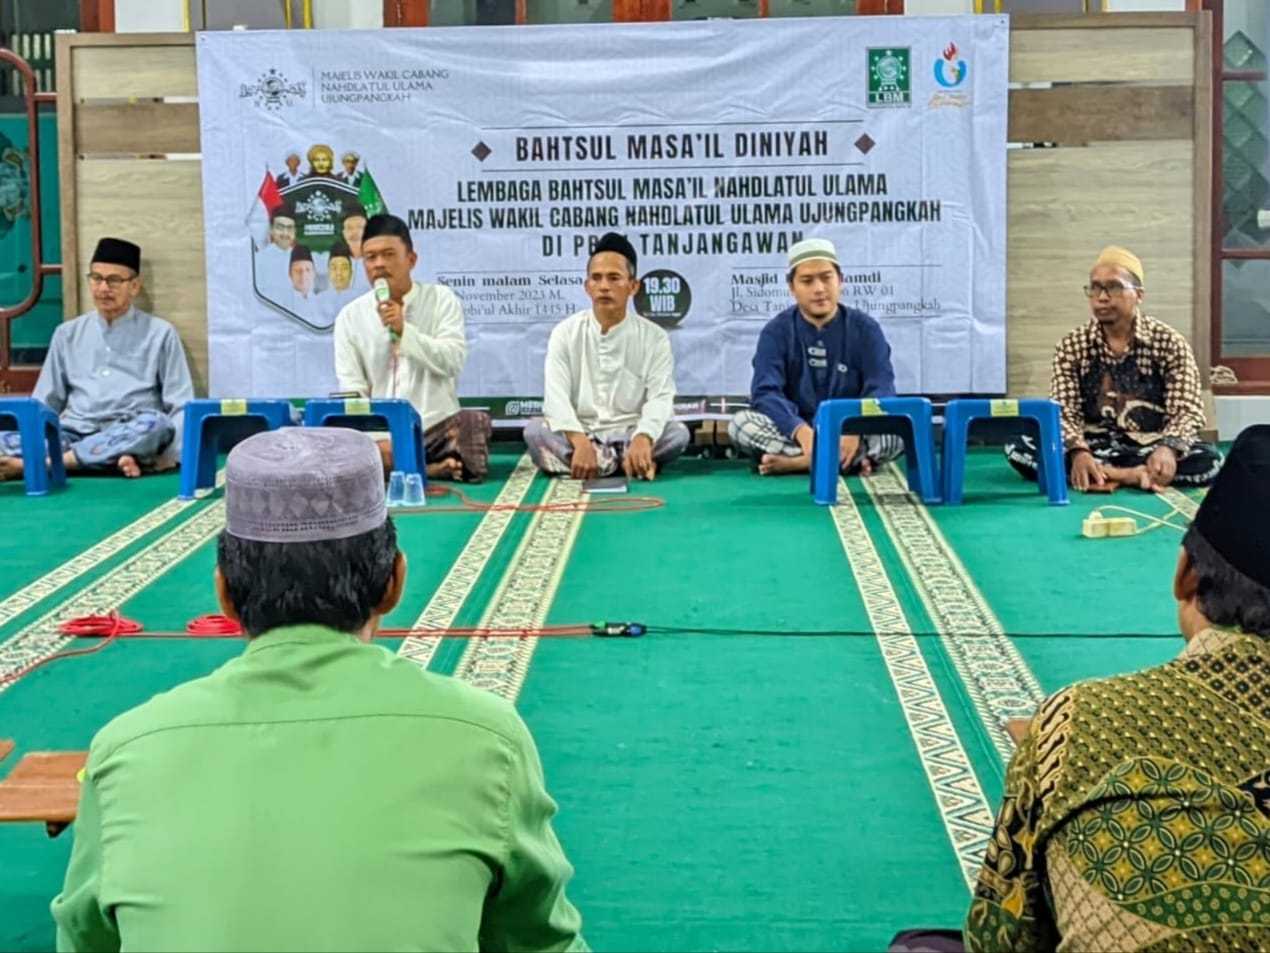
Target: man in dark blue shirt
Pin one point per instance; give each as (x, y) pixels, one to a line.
(815, 350)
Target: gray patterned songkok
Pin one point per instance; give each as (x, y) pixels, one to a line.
(301, 485)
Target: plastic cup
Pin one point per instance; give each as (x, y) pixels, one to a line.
(396, 488)
(414, 489)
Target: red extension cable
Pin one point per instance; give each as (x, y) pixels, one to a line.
(112, 626)
(212, 626)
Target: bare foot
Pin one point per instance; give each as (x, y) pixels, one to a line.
(1131, 476)
(10, 468)
(128, 466)
(773, 464)
(447, 469)
(385, 454)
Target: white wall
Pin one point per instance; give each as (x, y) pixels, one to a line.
(348, 14)
(168, 16)
(941, 8)
(149, 16)
(1144, 6)
(1236, 413)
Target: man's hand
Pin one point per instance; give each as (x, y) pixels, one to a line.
(638, 459)
(848, 444)
(1086, 471)
(1162, 466)
(804, 436)
(392, 315)
(584, 464)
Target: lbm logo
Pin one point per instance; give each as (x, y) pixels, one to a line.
(950, 71)
(889, 80)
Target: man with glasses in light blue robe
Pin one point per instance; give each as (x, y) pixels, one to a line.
(117, 378)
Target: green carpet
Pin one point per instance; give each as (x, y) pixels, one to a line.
(723, 791)
(69, 521)
(732, 792)
(1040, 574)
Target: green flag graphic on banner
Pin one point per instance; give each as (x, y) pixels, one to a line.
(368, 195)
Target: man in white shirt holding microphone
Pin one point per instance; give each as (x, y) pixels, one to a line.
(406, 339)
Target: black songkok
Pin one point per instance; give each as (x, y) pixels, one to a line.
(1235, 516)
(300, 253)
(116, 251)
(618, 243)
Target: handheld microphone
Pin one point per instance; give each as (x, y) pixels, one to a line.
(382, 294)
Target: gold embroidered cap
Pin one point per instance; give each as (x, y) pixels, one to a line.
(1122, 258)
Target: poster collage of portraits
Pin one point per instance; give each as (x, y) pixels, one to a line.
(307, 260)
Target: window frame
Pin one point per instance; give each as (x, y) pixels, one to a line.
(415, 12)
(1253, 372)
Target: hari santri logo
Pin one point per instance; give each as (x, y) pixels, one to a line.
(273, 91)
(889, 80)
(950, 72)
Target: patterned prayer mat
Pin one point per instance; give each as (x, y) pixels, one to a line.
(717, 791)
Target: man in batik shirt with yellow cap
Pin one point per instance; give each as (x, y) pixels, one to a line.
(1129, 390)
(1137, 808)
(317, 792)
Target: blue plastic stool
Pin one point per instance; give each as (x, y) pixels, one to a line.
(41, 437)
(919, 446)
(401, 419)
(1051, 477)
(207, 420)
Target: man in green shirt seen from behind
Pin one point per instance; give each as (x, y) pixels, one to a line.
(316, 792)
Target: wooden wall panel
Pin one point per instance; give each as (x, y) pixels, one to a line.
(1064, 206)
(159, 205)
(147, 72)
(1080, 113)
(1109, 54)
(143, 128)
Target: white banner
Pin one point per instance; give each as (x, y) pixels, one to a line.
(712, 145)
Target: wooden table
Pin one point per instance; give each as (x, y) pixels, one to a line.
(43, 786)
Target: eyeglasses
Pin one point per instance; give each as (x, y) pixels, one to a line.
(113, 282)
(1112, 289)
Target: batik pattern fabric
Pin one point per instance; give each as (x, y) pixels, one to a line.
(464, 437)
(1150, 394)
(1136, 813)
(1196, 466)
(756, 434)
(143, 436)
